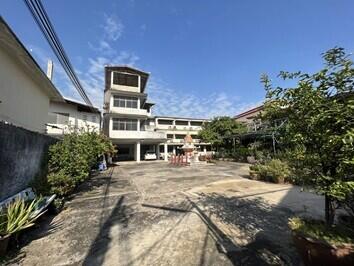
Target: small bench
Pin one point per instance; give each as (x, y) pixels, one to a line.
(28, 194)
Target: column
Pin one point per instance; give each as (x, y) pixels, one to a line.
(138, 103)
(138, 125)
(158, 151)
(137, 152)
(174, 150)
(205, 150)
(165, 152)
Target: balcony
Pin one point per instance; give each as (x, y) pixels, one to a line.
(129, 111)
(126, 134)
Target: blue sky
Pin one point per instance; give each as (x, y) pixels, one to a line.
(205, 57)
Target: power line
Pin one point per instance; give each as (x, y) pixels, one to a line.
(41, 18)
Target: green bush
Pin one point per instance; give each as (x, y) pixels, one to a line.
(240, 154)
(71, 160)
(275, 171)
(61, 183)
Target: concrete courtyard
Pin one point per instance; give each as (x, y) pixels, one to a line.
(157, 214)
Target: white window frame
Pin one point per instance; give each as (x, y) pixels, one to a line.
(125, 124)
(126, 100)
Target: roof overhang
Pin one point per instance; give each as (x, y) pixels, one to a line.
(13, 46)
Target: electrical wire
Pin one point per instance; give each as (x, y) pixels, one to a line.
(42, 19)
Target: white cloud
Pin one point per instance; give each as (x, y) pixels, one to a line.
(93, 79)
(168, 100)
(172, 102)
(113, 27)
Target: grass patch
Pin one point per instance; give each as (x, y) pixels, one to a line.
(317, 230)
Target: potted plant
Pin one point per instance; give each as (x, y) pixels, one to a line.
(319, 244)
(4, 237)
(17, 216)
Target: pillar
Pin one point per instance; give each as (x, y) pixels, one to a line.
(165, 152)
(174, 150)
(137, 152)
(138, 125)
(205, 150)
(158, 151)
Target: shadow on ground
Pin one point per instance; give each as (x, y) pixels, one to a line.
(262, 225)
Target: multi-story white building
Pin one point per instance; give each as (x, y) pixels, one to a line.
(72, 116)
(176, 128)
(128, 120)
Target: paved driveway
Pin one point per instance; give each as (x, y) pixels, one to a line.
(156, 214)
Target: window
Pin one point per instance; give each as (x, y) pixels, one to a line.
(125, 102)
(84, 118)
(164, 122)
(196, 123)
(125, 79)
(179, 136)
(125, 124)
(181, 123)
(94, 119)
(58, 118)
(170, 136)
(62, 118)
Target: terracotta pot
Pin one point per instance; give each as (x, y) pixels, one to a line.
(314, 252)
(4, 241)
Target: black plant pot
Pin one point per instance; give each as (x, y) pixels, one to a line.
(4, 242)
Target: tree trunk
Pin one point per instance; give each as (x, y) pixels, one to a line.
(329, 210)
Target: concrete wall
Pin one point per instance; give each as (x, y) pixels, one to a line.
(22, 101)
(75, 118)
(22, 154)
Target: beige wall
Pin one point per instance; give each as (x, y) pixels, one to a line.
(22, 101)
(75, 119)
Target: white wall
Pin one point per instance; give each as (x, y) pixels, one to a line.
(127, 134)
(22, 100)
(75, 118)
(125, 88)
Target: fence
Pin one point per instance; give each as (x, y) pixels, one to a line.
(23, 155)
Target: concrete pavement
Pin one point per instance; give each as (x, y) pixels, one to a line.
(157, 214)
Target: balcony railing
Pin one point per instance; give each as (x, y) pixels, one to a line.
(127, 134)
(129, 111)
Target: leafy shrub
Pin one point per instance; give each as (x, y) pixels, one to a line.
(275, 171)
(61, 183)
(71, 160)
(240, 154)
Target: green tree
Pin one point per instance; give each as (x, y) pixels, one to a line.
(219, 130)
(319, 128)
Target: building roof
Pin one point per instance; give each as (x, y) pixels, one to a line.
(250, 111)
(128, 69)
(14, 47)
(81, 107)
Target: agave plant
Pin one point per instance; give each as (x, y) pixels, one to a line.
(19, 216)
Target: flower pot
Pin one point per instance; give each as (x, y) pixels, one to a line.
(251, 159)
(314, 252)
(4, 241)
